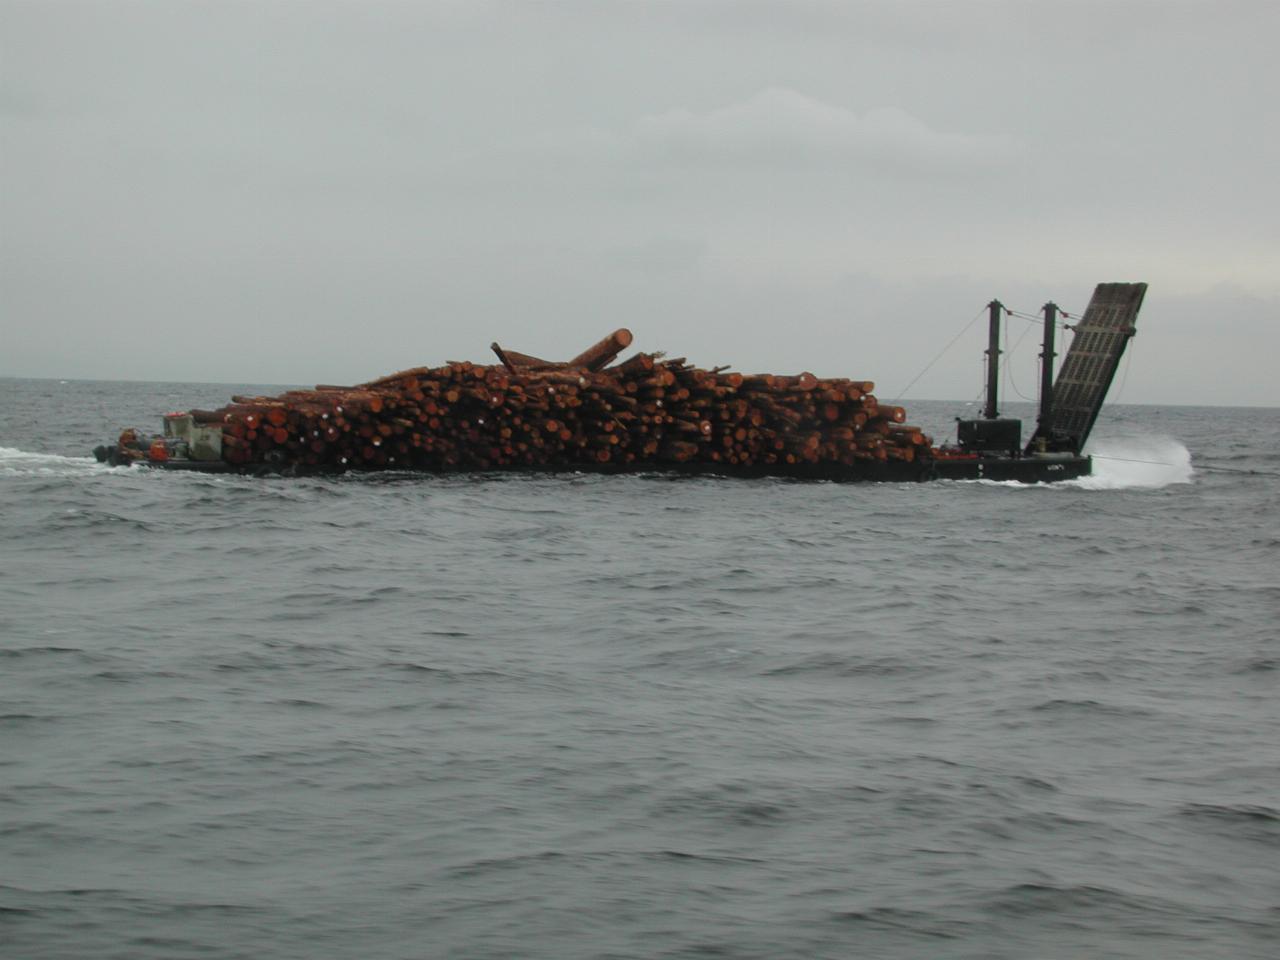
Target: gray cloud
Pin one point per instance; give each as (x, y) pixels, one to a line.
(781, 125)
(327, 191)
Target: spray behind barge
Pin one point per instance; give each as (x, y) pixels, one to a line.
(648, 414)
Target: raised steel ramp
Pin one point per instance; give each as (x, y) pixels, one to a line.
(1090, 366)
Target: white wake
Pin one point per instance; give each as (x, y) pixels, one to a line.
(15, 463)
(1121, 463)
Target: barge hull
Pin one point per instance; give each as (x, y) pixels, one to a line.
(999, 469)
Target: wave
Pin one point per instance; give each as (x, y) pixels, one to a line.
(1030, 899)
(1232, 813)
(1121, 463)
(919, 923)
(1250, 823)
(15, 463)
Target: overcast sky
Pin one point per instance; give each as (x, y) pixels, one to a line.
(325, 192)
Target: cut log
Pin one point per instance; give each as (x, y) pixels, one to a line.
(600, 355)
(502, 357)
(528, 362)
(638, 365)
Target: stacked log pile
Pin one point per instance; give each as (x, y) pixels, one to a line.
(524, 412)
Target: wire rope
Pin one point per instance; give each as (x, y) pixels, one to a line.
(930, 364)
(1008, 369)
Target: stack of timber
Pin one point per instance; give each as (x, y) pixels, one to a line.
(647, 412)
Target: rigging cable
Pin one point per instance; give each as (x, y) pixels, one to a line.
(1238, 471)
(1124, 376)
(1158, 463)
(1008, 355)
(1059, 327)
(954, 432)
(949, 345)
(1036, 318)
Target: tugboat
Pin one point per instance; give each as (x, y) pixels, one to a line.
(648, 414)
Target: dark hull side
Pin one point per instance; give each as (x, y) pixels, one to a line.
(1018, 469)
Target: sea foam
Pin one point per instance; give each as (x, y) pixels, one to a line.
(1126, 462)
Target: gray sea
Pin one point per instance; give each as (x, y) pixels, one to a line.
(405, 716)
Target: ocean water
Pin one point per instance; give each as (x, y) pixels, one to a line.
(628, 717)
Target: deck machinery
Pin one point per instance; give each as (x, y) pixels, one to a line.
(990, 447)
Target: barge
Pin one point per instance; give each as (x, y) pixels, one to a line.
(652, 414)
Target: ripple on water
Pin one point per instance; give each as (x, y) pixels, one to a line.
(634, 717)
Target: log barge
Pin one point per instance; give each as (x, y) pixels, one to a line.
(649, 413)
